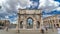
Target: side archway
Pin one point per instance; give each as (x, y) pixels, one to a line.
(38, 24)
(21, 24)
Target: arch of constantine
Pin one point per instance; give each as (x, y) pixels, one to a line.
(32, 20)
(29, 19)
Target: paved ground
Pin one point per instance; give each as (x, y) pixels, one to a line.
(26, 32)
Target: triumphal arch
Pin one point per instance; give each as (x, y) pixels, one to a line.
(29, 19)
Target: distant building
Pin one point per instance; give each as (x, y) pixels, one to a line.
(4, 23)
(52, 21)
(11, 26)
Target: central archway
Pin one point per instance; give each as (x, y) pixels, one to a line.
(31, 19)
(29, 23)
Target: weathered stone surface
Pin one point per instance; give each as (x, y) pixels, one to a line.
(24, 14)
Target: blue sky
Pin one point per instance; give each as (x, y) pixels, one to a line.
(9, 8)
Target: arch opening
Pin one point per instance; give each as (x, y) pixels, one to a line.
(38, 24)
(21, 24)
(29, 23)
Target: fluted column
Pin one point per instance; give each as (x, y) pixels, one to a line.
(34, 25)
(58, 21)
(41, 24)
(52, 25)
(18, 24)
(24, 25)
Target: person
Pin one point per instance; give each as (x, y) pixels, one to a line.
(42, 31)
(46, 29)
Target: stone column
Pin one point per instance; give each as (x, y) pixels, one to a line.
(34, 25)
(55, 23)
(7, 26)
(17, 27)
(41, 21)
(24, 24)
(58, 21)
(18, 23)
(52, 25)
(41, 24)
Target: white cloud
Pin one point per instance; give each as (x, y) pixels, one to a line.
(24, 3)
(9, 7)
(48, 5)
(2, 1)
(14, 20)
(6, 17)
(58, 9)
(46, 15)
(42, 3)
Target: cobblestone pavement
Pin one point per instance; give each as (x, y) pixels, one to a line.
(26, 32)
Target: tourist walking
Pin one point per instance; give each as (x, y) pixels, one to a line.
(42, 31)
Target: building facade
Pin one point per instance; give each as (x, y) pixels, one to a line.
(4, 23)
(29, 19)
(52, 21)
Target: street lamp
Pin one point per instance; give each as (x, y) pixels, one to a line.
(17, 27)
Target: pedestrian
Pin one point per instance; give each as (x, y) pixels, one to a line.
(42, 31)
(46, 29)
